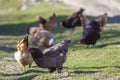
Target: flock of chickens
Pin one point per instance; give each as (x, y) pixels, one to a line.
(39, 44)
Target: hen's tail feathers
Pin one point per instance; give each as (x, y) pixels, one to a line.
(41, 20)
(26, 40)
(80, 11)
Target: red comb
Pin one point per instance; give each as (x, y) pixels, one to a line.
(81, 41)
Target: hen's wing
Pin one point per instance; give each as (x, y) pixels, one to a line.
(50, 52)
(55, 50)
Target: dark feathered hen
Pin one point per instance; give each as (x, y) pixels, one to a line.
(53, 57)
(92, 30)
(73, 20)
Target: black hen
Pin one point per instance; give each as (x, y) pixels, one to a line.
(92, 31)
(53, 57)
(90, 35)
(72, 21)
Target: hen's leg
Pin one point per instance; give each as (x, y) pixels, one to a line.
(89, 46)
(29, 65)
(59, 70)
(52, 69)
(23, 68)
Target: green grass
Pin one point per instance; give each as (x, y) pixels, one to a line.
(102, 62)
(7, 4)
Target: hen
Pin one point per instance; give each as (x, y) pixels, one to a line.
(41, 38)
(48, 24)
(72, 21)
(22, 56)
(92, 30)
(52, 58)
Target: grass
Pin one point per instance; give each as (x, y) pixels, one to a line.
(102, 62)
(9, 4)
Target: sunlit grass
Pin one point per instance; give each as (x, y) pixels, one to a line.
(7, 4)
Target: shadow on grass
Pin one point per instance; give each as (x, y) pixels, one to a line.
(20, 74)
(110, 34)
(85, 72)
(7, 49)
(90, 69)
(107, 44)
(14, 29)
(100, 67)
(28, 77)
(117, 67)
(20, 29)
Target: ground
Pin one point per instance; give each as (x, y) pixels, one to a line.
(102, 62)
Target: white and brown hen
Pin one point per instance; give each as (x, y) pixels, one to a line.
(22, 56)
